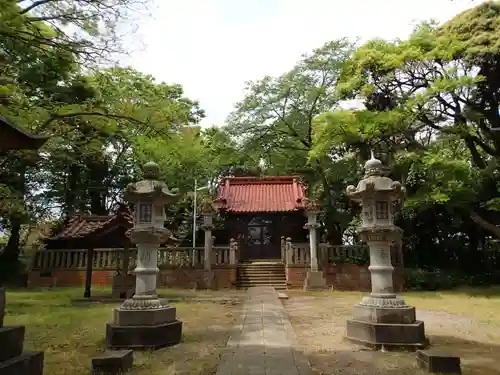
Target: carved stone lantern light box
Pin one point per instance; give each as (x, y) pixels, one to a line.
(382, 318)
(146, 321)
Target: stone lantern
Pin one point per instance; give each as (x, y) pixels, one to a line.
(146, 321)
(382, 318)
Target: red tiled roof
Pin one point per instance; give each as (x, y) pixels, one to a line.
(80, 226)
(261, 194)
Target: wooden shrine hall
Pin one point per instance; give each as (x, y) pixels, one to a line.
(259, 211)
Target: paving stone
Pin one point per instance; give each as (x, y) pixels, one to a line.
(264, 343)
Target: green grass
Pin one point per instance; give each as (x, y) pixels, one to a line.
(71, 332)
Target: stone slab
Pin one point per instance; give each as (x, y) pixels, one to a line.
(438, 362)
(151, 317)
(2, 306)
(208, 280)
(314, 280)
(411, 336)
(113, 362)
(282, 295)
(264, 342)
(28, 363)
(12, 340)
(143, 337)
(388, 315)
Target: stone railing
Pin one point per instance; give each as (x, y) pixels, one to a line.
(111, 259)
(299, 254)
(353, 254)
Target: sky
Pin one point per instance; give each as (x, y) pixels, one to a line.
(212, 47)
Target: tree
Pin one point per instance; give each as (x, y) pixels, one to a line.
(274, 123)
(51, 24)
(440, 84)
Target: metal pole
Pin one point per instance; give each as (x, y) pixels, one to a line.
(194, 221)
(194, 212)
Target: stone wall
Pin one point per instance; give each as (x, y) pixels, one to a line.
(68, 278)
(224, 277)
(343, 277)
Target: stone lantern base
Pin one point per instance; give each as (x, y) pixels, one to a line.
(380, 324)
(138, 326)
(314, 280)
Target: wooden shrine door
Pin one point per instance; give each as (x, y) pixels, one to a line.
(260, 242)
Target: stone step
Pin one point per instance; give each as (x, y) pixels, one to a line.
(262, 274)
(269, 264)
(28, 363)
(262, 279)
(12, 340)
(261, 269)
(113, 362)
(275, 286)
(260, 283)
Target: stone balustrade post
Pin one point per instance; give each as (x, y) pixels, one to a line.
(289, 250)
(233, 248)
(283, 248)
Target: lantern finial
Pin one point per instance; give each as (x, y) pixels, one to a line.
(373, 167)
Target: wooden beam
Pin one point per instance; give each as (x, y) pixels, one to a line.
(88, 273)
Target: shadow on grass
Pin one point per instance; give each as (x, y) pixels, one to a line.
(107, 299)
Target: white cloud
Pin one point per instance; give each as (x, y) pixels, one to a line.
(212, 47)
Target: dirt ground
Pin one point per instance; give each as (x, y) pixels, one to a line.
(319, 323)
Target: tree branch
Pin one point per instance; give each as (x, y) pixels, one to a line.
(36, 4)
(492, 228)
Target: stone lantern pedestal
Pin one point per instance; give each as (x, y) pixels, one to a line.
(146, 321)
(382, 318)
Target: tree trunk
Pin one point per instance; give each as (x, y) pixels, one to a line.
(88, 273)
(12, 250)
(492, 228)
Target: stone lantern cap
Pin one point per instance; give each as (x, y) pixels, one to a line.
(311, 206)
(208, 207)
(375, 183)
(150, 188)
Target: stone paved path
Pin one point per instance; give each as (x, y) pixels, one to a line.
(264, 342)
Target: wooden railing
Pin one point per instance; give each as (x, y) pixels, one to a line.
(111, 259)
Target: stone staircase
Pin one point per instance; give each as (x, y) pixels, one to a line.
(261, 273)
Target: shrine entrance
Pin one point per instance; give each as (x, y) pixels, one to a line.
(260, 240)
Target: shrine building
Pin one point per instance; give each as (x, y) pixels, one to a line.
(256, 232)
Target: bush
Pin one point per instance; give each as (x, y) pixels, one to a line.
(419, 279)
